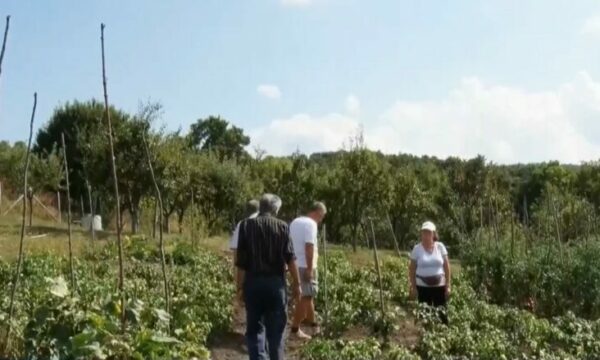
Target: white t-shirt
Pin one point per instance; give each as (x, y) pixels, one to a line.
(303, 230)
(429, 264)
(233, 243)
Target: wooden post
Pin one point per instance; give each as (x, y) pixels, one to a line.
(82, 207)
(379, 279)
(17, 275)
(325, 294)
(193, 225)
(161, 245)
(90, 202)
(59, 207)
(4, 41)
(155, 219)
(389, 219)
(115, 184)
(62, 138)
(21, 197)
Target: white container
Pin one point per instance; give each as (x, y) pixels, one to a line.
(86, 222)
(97, 223)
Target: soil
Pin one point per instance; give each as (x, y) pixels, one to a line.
(232, 346)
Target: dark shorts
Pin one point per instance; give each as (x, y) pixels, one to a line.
(309, 288)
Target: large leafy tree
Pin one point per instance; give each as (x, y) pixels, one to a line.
(219, 136)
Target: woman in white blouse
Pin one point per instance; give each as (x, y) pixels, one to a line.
(429, 270)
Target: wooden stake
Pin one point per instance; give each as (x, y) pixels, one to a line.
(381, 300)
(389, 219)
(90, 202)
(21, 197)
(115, 183)
(325, 294)
(4, 41)
(17, 275)
(62, 138)
(82, 207)
(193, 225)
(161, 245)
(50, 213)
(59, 207)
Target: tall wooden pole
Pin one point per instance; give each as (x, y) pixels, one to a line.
(389, 220)
(90, 202)
(115, 182)
(62, 138)
(4, 41)
(325, 293)
(58, 205)
(161, 244)
(193, 225)
(15, 283)
(379, 279)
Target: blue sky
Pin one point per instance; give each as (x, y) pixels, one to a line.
(512, 80)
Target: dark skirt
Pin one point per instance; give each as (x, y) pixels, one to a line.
(434, 296)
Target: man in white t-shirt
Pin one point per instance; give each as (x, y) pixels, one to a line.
(251, 212)
(304, 232)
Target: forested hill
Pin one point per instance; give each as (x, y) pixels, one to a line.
(216, 164)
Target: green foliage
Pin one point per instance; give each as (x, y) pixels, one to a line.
(55, 322)
(215, 134)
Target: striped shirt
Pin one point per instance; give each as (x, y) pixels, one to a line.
(264, 246)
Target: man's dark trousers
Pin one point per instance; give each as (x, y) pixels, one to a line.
(266, 316)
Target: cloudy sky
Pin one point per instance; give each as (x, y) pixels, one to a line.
(513, 80)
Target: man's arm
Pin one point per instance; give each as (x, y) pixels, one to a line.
(296, 292)
(309, 250)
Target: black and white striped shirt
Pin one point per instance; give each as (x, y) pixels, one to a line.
(264, 246)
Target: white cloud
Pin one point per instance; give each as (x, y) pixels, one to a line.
(269, 91)
(591, 26)
(305, 132)
(352, 105)
(505, 124)
(296, 3)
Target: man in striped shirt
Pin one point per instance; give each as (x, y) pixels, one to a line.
(264, 251)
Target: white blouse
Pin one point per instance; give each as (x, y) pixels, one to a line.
(429, 263)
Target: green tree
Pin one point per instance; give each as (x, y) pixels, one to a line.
(217, 135)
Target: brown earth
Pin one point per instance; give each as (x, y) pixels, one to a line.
(232, 346)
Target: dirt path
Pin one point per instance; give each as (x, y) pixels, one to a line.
(232, 346)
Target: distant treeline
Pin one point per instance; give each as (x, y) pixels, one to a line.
(211, 163)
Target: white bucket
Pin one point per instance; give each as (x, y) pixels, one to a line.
(86, 222)
(97, 223)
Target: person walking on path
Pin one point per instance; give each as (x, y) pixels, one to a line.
(304, 234)
(429, 271)
(263, 252)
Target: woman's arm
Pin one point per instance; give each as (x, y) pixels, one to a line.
(447, 273)
(412, 275)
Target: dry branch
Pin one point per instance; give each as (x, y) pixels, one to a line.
(62, 138)
(115, 183)
(15, 282)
